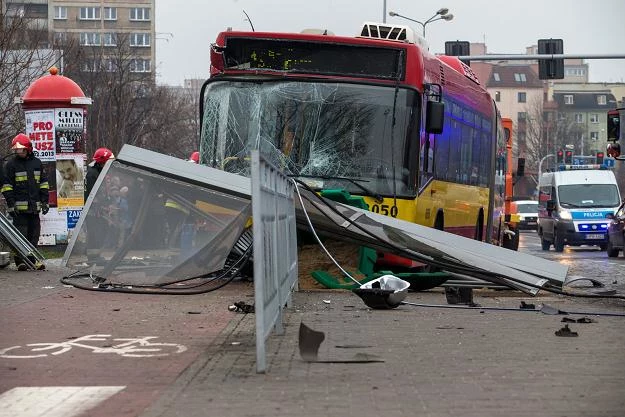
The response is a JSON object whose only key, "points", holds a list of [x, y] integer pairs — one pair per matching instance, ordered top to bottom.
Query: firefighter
{"points": [[100, 156], [195, 157], [25, 190]]}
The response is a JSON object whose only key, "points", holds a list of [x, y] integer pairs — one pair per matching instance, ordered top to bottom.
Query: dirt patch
{"points": [[313, 258]]}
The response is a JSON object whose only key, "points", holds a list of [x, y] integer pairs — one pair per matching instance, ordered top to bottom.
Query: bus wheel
{"points": [[558, 241]]}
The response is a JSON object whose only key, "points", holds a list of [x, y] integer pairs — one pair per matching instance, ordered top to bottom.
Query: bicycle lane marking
{"points": [[61, 317], [53, 401]]}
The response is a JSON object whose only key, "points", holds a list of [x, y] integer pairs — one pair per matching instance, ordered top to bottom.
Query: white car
{"points": [[528, 213]]}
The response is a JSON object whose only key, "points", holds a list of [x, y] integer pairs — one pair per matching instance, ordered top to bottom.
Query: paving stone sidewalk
{"points": [[437, 362]]}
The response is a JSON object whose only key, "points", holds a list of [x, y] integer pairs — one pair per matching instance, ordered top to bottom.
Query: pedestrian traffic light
{"points": [[550, 69], [560, 157], [568, 157], [599, 158]]}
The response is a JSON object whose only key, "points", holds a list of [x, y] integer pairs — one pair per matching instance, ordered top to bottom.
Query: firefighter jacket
{"points": [[25, 185]]}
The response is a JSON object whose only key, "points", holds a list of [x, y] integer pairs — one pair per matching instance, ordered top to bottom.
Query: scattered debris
{"points": [[459, 295], [326, 301], [527, 306], [242, 307], [194, 312], [580, 320], [566, 332], [310, 340], [235, 343]]}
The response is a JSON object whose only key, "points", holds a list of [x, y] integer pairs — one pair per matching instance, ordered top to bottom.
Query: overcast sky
{"points": [[186, 28]]}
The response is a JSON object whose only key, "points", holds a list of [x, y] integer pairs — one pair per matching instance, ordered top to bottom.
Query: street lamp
{"points": [[441, 14]]}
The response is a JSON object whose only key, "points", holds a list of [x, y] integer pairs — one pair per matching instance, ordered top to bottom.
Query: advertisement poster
{"points": [[69, 125], [40, 130], [70, 181], [55, 226]]}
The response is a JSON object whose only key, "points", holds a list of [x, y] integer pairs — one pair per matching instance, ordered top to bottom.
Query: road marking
{"points": [[53, 401]]}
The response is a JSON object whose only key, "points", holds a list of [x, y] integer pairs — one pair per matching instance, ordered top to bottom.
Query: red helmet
{"points": [[21, 141], [101, 155], [195, 157]]}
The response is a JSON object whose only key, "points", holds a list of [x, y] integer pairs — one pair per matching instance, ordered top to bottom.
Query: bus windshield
{"points": [[332, 135], [588, 195]]}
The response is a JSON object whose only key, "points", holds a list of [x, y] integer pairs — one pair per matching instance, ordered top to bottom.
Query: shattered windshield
{"points": [[332, 135], [588, 195]]}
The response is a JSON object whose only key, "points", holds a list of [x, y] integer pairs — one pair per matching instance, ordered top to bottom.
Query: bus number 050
{"points": [[385, 209]]}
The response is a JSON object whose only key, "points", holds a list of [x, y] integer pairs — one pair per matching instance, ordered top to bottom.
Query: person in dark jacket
{"points": [[100, 156], [25, 189]]}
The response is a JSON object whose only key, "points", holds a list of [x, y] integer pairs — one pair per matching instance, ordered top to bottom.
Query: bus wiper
{"points": [[356, 182]]}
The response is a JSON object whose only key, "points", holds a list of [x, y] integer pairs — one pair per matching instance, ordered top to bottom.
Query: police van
{"points": [[573, 205]]}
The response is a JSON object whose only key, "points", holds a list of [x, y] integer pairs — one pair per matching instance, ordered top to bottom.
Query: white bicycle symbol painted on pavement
{"points": [[138, 347]]}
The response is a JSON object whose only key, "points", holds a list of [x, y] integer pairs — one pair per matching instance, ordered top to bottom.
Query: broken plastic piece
{"points": [[566, 332]]}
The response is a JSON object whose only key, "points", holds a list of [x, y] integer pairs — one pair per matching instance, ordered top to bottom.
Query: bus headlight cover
{"points": [[565, 215]]}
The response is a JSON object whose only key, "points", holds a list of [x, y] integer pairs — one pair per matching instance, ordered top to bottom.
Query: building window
{"points": [[60, 12], [89, 13], [110, 13], [140, 13], [60, 38], [90, 39], [109, 39], [139, 39], [90, 65], [110, 65], [140, 65], [496, 76], [520, 78], [497, 96], [522, 97], [568, 99], [602, 100], [522, 116], [579, 118], [593, 118], [594, 136]]}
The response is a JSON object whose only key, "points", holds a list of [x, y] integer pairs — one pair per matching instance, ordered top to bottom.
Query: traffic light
{"points": [[458, 48], [550, 69], [560, 157], [568, 157], [599, 158]]}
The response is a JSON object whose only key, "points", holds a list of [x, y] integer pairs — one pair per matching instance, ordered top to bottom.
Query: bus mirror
{"points": [[434, 117], [520, 168], [551, 205]]}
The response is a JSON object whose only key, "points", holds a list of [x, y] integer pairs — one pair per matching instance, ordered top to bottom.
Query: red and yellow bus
{"points": [[416, 135]]}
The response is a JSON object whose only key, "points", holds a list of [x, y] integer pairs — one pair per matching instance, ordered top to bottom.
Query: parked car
{"points": [[528, 213], [616, 229]]}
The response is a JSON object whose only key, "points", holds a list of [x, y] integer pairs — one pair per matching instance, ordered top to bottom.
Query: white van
{"points": [[573, 205]]}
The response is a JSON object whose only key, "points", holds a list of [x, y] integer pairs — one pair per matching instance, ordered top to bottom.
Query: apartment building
{"points": [[97, 24]]}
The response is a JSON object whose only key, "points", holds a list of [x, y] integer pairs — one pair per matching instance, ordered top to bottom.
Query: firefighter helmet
{"points": [[21, 141], [101, 155], [195, 157]]}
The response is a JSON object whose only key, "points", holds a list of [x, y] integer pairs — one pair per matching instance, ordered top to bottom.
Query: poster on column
{"points": [[40, 130], [69, 130], [70, 181], [53, 227]]}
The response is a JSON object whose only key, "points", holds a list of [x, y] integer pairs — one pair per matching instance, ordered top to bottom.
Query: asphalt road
{"points": [[583, 261]]}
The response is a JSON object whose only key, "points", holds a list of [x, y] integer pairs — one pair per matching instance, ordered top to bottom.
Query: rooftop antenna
{"points": [[249, 20]]}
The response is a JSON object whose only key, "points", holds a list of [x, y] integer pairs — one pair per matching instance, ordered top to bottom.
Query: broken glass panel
{"points": [[324, 133], [144, 227]]}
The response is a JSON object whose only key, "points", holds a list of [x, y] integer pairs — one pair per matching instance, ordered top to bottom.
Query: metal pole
{"points": [[384, 11], [520, 57], [540, 165]]}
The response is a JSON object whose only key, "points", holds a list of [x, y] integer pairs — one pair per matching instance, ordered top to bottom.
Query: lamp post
{"points": [[441, 14]]}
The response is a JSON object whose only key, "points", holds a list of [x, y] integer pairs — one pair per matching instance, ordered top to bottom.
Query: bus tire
{"points": [[558, 241]]}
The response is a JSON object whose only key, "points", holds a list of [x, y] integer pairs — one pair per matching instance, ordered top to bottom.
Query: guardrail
{"points": [[275, 250]]}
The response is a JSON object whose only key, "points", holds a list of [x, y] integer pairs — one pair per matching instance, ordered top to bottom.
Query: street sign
{"points": [[609, 162]]}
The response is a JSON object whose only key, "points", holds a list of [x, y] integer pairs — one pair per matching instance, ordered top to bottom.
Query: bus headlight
{"points": [[565, 215]]}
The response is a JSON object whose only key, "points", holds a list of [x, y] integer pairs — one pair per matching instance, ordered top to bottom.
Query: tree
{"points": [[24, 57]]}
